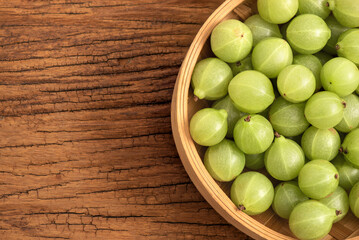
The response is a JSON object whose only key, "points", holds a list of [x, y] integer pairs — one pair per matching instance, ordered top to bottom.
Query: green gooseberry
{"points": [[316, 7], [277, 11], [345, 11], [261, 29], [336, 29], [308, 33], [231, 40], [348, 45], [271, 55], [323, 57], [312, 63], [242, 65], [340, 75], [210, 79], [296, 83], [251, 91], [324, 110], [233, 113], [351, 114], [288, 118], [208, 126], [253, 134], [320, 143], [350, 147], [284, 159], [224, 161], [255, 161], [348, 174], [318, 178], [252, 193], [286, 196], [354, 200], [339, 201], [311, 220]]}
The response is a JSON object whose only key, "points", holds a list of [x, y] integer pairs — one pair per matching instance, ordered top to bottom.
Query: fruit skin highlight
{"points": [[231, 40], [210, 79], [324, 110], [208, 126], [253, 134], [350, 147], [224, 161], [318, 178], [252, 193], [311, 220]]}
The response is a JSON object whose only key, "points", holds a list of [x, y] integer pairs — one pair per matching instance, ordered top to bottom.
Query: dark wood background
{"points": [[86, 150]]}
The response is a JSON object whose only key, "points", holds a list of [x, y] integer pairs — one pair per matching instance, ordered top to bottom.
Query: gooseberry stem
{"points": [[344, 104], [248, 118], [277, 135], [342, 150], [241, 207], [338, 212]]}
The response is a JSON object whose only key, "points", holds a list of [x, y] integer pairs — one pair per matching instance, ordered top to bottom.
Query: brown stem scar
{"points": [[248, 118], [241, 207]]}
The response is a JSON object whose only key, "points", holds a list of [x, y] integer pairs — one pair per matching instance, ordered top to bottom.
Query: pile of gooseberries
{"points": [[285, 86]]}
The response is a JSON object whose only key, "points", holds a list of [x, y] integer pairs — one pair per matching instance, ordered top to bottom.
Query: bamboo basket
{"points": [[266, 225]]}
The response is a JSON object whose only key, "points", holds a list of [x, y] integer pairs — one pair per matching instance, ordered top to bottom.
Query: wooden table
{"points": [[86, 150]]}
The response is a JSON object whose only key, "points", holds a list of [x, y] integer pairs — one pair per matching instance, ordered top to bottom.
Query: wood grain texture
{"points": [[86, 150]]}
